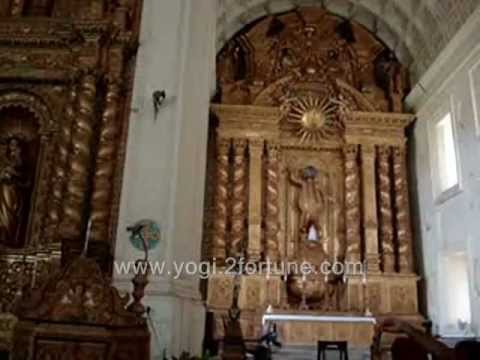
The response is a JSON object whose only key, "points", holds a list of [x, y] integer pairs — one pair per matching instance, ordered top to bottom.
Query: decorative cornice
{"points": [[35, 32], [39, 33], [380, 119], [247, 121], [376, 128]]}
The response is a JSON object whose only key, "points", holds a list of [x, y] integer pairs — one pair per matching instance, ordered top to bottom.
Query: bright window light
{"points": [[446, 156], [456, 313]]}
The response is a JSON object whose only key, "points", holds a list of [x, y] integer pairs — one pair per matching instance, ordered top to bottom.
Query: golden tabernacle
{"points": [[307, 162]]}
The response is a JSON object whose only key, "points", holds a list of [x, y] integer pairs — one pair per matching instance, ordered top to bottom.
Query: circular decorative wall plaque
{"points": [[145, 234]]}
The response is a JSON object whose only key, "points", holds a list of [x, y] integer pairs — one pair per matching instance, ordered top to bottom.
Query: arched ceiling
{"points": [[416, 30]]}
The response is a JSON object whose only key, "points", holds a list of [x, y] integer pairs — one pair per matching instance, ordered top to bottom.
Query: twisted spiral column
{"points": [[80, 159], [105, 163], [61, 165], [239, 198], [352, 203], [385, 205], [402, 211], [272, 225], [218, 248]]}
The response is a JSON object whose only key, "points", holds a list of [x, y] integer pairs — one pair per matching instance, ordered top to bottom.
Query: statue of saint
{"points": [[10, 193], [310, 202]]}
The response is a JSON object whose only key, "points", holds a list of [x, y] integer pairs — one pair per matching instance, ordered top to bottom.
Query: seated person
{"points": [[464, 350]]}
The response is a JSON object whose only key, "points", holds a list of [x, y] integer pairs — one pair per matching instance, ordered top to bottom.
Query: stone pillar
{"points": [[79, 164], [239, 199], [352, 204], [385, 204], [402, 211], [370, 221], [272, 225], [218, 246], [254, 248]]}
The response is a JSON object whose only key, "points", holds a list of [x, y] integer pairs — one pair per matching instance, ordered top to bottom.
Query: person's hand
{"points": [[392, 325]]}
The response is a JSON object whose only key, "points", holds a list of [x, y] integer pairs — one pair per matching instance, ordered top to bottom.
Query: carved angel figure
{"points": [[10, 193], [310, 202]]}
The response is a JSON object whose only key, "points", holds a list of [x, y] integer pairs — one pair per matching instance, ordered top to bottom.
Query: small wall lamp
{"points": [[158, 99]]}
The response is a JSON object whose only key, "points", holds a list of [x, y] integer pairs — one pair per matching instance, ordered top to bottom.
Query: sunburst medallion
{"points": [[314, 116]]}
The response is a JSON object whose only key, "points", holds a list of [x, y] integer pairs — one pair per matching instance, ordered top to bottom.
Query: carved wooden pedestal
{"points": [[78, 315], [47, 341]]}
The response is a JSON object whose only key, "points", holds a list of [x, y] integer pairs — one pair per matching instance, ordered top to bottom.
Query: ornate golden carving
{"points": [[16, 7], [43, 44], [316, 96], [314, 116], [25, 120], [79, 162], [105, 163], [61, 164], [239, 199], [310, 203], [352, 204], [385, 208], [402, 211], [272, 225], [218, 249], [79, 293], [220, 294], [73, 306], [8, 323]]}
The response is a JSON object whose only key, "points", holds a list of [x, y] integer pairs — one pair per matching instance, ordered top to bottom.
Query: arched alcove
{"points": [[307, 163]]}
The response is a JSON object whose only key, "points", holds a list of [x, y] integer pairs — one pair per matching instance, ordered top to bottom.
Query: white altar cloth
{"points": [[319, 318]]}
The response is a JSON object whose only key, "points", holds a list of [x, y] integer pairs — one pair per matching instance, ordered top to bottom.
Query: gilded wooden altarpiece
{"points": [[65, 79], [308, 163]]}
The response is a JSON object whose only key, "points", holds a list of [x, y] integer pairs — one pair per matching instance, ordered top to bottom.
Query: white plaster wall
{"points": [[165, 163], [454, 225]]}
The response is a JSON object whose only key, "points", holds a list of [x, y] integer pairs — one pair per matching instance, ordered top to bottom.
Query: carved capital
{"points": [[256, 145], [223, 146], [239, 146], [273, 151], [351, 151]]}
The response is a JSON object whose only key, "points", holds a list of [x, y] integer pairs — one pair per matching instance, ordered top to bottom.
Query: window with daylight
{"points": [[446, 154], [456, 308]]}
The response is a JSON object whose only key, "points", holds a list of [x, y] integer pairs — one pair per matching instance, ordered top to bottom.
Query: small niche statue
{"points": [[10, 191], [310, 203]]}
